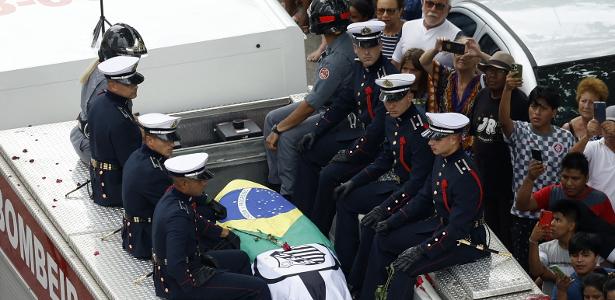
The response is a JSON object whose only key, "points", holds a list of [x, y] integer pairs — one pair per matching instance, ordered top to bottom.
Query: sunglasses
{"points": [[439, 6], [389, 11]]}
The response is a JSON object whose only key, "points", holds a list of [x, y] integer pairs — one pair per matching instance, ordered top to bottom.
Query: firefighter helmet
{"points": [[328, 16], [121, 39]]}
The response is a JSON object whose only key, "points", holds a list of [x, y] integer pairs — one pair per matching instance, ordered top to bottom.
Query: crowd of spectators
{"points": [[527, 165]]}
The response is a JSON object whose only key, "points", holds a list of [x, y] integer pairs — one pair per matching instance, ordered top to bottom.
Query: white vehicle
{"points": [[557, 42], [201, 54], [214, 61]]}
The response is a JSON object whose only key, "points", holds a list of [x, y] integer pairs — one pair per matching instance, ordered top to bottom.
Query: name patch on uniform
{"points": [[323, 73]]}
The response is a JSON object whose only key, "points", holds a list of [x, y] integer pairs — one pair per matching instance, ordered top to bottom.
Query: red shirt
{"points": [[597, 201]]}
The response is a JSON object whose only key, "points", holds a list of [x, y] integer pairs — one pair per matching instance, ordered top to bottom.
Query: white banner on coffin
{"points": [[308, 271]]}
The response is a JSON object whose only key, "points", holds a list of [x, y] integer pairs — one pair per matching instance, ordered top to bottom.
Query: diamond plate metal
{"points": [[49, 168], [52, 233], [113, 268], [493, 277], [447, 286]]}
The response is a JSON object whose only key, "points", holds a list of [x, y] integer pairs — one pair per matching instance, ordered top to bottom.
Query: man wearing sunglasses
{"points": [[422, 33]]}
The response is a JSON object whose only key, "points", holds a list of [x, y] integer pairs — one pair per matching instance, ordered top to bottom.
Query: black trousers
{"points": [[520, 233]]}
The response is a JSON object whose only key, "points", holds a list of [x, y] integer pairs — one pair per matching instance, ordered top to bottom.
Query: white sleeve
{"points": [[398, 53], [590, 150], [543, 255]]}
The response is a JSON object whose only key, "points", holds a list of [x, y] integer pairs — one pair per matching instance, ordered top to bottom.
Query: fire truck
{"points": [[208, 62]]}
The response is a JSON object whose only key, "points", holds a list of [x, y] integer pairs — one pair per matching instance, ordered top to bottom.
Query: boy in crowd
{"points": [[550, 141], [572, 185], [583, 250], [553, 252]]}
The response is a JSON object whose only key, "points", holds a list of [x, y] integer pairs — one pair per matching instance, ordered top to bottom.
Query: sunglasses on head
{"points": [[439, 6]]}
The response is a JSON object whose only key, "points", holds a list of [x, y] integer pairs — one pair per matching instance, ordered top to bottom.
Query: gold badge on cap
{"points": [[366, 30], [387, 83], [175, 123]]}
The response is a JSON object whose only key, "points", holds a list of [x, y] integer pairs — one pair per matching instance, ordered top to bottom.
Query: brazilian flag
{"points": [[264, 220]]}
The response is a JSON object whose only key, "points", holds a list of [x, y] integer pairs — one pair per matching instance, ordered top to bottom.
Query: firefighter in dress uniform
{"points": [[119, 39], [356, 114], [114, 133], [401, 167], [145, 181], [422, 235], [182, 270]]}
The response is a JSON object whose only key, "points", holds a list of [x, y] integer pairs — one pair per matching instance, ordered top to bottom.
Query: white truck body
{"points": [[202, 53]]}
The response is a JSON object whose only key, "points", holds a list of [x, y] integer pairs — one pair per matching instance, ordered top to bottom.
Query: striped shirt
{"points": [[389, 42]]}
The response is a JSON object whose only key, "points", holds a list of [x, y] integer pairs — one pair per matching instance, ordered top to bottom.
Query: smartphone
{"points": [[454, 47], [516, 70], [600, 111], [536, 155], [546, 216], [557, 271]]}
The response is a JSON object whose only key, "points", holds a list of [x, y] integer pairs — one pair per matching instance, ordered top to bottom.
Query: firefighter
{"points": [[119, 39], [359, 114], [285, 126], [114, 133], [401, 168], [145, 181], [422, 235], [182, 270]]}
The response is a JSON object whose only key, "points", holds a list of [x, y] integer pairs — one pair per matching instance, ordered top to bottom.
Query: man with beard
{"points": [[422, 33]]}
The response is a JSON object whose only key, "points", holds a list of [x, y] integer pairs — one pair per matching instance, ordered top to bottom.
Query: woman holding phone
{"points": [[454, 89], [589, 90]]}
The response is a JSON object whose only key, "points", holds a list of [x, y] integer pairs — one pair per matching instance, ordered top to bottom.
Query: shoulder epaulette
{"points": [[382, 72], [417, 122], [156, 163], [462, 166], [183, 206]]}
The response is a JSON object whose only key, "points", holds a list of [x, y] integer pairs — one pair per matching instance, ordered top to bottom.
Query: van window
{"points": [[465, 23], [487, 44], [564, 77]]}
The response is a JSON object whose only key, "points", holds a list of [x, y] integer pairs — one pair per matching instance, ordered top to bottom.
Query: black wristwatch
{"points": [[275, 130]]}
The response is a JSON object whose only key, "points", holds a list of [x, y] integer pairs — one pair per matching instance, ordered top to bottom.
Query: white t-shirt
{"points": [[415, 35], [601, 168], [552, 254]]}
